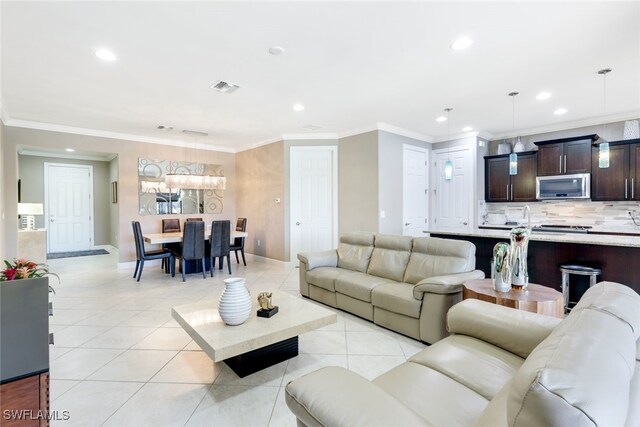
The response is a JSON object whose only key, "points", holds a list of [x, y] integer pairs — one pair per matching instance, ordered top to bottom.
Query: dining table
{"points": [[176, 237]]}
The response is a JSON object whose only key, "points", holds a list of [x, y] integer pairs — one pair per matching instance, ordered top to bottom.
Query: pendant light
{"points": [[603, 147], [513, 157], [448, 165], [191, 181]]}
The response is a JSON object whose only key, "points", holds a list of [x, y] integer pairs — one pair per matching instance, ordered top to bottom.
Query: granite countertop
{"points": [[630, 240]]}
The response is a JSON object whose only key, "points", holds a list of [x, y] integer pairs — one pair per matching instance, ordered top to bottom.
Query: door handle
{"points": [[560, 163], [565, 163], [632, 189], [626, 190], [507, 191], [512, 192], [51, 220], [298, 223], [465, 223], [406, 224]]}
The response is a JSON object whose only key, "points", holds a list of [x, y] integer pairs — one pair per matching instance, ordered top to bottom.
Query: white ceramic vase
{"points": [[234, 305]]}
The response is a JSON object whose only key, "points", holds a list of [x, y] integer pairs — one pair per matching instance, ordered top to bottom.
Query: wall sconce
{"points": [[513, 164]]}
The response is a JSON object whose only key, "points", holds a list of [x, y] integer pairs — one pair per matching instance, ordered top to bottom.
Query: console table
{"points": [[535, 298]]}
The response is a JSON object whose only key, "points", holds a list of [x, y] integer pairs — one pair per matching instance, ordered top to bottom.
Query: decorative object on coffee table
{"points": [[501, 272], [234, 305], [266, 307]]}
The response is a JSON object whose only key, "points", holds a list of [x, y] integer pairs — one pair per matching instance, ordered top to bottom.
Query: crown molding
{"points": [[594, 121], [357, 131], [404, 132], [112, 135], [461, 135], [309, 136], [258, 144], [59, 155]]}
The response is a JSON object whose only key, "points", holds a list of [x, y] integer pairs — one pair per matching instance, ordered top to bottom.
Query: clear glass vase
{"points": [[519, 246]]}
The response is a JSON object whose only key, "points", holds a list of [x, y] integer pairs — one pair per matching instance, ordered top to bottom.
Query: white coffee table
{"points": [[259, 342]]}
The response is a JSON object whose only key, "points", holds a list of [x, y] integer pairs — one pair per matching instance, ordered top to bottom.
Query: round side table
{"points": [[535, 298]]}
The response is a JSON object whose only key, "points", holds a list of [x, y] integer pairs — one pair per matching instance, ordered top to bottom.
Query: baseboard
{"points": [[108, 248], [270, 261]]}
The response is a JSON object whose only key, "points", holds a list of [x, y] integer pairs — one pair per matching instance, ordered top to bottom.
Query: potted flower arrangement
{"points": [[24, 318]]}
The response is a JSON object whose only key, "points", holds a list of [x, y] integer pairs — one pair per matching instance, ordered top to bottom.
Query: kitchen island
{"points": [[618, 255]]}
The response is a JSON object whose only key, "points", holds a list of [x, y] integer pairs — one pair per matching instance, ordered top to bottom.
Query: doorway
{"points": [[414, 190], [453, 198], [314, 199], [68, 201]]}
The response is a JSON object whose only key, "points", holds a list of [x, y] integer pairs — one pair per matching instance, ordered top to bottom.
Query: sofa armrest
{"points": [[319, 259], [449, 284], [516, 331], [334, 396]]}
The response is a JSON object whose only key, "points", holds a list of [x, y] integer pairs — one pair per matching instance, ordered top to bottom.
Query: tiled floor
{"points": [[120, 359]]}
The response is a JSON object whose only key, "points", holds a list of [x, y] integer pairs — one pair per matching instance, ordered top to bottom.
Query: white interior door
{"points": [[414, 190], [314, 199], [452, 200], [69, 207]]}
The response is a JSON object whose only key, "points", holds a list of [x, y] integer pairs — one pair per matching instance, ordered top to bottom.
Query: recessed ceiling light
{"points": [[461, 43], [276, 50], [106, 55], [543, 95], [298, 107], [560, 111], [441, 119], [467, 129], [71, 150]]}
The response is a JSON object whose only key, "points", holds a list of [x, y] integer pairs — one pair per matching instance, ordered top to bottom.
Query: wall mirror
{"points": [[157, 199]]}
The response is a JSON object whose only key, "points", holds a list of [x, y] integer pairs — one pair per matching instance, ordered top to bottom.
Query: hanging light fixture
{"points": [[603, 147], [513, 157], [448, 165], [191, 181]]}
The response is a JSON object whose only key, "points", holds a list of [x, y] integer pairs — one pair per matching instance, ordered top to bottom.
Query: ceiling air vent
{"points": [[224, 87]]}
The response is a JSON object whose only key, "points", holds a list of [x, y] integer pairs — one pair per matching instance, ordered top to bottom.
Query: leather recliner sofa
{"points": [[401, 283], [500, 367]]}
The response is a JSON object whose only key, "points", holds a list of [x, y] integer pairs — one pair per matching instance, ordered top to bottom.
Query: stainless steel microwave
{"points": [[576, 186]]}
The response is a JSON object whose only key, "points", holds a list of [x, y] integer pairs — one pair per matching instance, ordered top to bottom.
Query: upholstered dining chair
{"points": [[194, 219], [171, 225], [238, 242], [219, 244], [192, 247], [143, 255]]}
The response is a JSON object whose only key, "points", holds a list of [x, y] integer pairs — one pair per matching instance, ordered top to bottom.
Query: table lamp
{"points": [[27, 211]]}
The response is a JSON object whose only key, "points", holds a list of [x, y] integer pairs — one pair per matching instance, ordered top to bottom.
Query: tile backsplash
{"points": [[602, 216]]}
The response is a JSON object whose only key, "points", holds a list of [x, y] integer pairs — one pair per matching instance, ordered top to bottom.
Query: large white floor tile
{"points": [[69, 316], [108, 318], [148, 318], [74, 336], [119, 337], [165, 339], [323, 342], [373, 343], [56, 351], [79, 363], [305, 363], [134, 365], [189, 367], [271, 376], [58, 387], [92, 402], [158, 405], [227, 405], [282, 415]]}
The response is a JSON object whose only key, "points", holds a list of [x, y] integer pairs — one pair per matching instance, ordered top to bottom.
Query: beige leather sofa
{"points": [[401, 283], [501, 367]]}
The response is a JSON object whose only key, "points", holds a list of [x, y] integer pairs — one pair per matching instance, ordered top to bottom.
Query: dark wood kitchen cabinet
{"points": [[565, 156], [621, 180], [501, 187]]}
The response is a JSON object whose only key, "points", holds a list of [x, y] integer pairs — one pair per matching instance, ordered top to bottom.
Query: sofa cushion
{"points": [[354, 251], [390, 256], [431, 256], [324, 277], [358, 285], [397, 298], [476, 364], [571, 376], [440, 400]]}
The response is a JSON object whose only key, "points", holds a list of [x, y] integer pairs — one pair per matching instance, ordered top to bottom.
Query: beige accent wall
{"points": [[128, 153], [260, 174], [31, 175], [358, 183], [2, 212]]}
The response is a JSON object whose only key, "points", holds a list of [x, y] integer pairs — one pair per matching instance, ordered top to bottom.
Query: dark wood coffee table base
{"points": [[261, 358]]}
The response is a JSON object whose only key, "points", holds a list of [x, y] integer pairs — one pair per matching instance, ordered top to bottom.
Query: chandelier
{"points": [[192, 181]]}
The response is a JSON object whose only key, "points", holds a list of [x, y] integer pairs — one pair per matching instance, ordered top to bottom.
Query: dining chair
{"points": [[193, 219], [171, 225], [238, 242], [219, 244], [192, 247], [143, 255]]}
